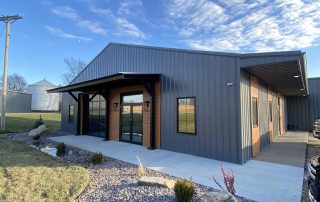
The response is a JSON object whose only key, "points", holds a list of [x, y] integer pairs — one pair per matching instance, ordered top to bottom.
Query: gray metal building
{"points": [[17, 102], [222, 106], [302, 111]]}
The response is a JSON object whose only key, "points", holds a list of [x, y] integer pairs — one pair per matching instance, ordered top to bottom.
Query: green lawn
{"points": [[22, 122], [30, 175]]}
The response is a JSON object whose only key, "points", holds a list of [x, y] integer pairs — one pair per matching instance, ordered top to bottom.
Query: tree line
{"points": [[18, 83]]}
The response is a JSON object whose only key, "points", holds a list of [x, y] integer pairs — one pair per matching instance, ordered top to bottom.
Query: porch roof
{"points": [[286, 72], [119, 79]]}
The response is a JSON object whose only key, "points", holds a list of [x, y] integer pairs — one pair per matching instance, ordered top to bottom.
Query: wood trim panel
{"points": [[254, 87], [281, 129]]}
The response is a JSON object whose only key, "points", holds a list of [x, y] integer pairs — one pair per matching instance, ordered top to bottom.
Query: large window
{"points": [[270, 111], [71, 113], [186, 115], [255, 115]]}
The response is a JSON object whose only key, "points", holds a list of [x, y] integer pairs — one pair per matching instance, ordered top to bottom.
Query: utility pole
{"points": [[8, 20]]}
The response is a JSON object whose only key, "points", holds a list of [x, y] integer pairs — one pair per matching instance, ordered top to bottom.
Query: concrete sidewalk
{"points": [[288, 149], [257, 180]]}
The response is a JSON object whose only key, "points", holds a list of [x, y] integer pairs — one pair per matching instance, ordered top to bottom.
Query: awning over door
{"points": [[115, 80]]}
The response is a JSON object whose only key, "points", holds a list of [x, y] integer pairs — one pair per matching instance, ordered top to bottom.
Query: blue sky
{"points": [[53, 30]]}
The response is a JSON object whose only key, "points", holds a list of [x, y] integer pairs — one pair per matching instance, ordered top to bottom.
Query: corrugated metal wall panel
{"points": [[204, 76], [17, 102], [302, 111], [275, 114], [263, 115], [245, 116], [65, 125]]}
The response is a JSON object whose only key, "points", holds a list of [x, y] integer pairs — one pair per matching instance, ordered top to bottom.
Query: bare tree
{"points": [[75, 66], [17, 83]]}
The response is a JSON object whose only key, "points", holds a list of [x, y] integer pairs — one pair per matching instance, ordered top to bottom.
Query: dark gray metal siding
{"points": [[204, 76], [245, 94], [18, 102], [302, 111], [263, 115], [65, 125]]}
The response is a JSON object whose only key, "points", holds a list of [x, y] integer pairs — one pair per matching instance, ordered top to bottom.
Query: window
{"points": [[270, 111], [71, 113], [186, 113], [255, 114]]}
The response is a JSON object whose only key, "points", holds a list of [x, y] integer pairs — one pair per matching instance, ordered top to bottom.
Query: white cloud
{"points": [[131, 8], [66, 12], [72, 14], [237, 25], [123, 26], [129, 29], [60, 33]]}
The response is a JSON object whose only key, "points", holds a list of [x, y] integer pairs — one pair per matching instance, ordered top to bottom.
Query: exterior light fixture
{"points": [[296, 76], [229, 84], [301, 89], [303, 95], [115, 106], [146, 106]]}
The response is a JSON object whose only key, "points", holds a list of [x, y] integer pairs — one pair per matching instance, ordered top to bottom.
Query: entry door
{"points": [[97, 116], [131, 121]]}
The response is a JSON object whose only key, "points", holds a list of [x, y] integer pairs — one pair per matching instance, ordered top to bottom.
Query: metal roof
{"points": [[275, 68], [118, 80], [43, 82]]}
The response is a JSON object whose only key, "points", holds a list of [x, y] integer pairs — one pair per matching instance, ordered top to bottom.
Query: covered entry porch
{"points": [[120, 107]]}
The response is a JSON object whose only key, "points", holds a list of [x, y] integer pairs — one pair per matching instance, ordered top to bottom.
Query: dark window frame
{"points": [[270, 112], [195, 116], [71, 117], [255, 125]]}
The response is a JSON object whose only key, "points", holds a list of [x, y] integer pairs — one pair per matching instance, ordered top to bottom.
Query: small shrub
{"points": [[38, 123], [36, 137], [61, 149], [96, 158], [141, 171], [228, 181], [184, 190]]}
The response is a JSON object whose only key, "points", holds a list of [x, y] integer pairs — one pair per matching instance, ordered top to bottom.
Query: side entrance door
{"points": [[131, 119]]}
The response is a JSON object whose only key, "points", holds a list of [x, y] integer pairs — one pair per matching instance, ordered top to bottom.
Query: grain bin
{"points": [[41, 100]]}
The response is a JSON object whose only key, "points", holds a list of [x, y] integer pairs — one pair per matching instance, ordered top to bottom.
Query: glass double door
{"points": [[97, 116], [131, 118]]}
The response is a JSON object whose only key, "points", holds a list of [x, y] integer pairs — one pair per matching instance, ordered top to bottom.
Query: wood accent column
{"points": [[280, 106], [271, 120], [255, 130]]}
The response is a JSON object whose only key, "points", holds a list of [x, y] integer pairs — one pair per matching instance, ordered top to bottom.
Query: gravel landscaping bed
{"points": [[313, 149], [115, 180]]}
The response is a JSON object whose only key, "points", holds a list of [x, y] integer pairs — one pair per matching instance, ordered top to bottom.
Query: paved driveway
{"points": [[257, 180]]}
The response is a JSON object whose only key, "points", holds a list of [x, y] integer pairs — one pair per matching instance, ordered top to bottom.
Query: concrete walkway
{"points": [[288, 149], [257, 180]]}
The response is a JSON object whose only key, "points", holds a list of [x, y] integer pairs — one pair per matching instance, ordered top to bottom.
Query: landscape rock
{"points": [[38, 131], [49, 150], [155, 181], [220, 196]]}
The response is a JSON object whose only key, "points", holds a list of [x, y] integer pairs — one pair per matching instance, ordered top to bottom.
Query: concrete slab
{"points": [[288, 149], [257, 180]]}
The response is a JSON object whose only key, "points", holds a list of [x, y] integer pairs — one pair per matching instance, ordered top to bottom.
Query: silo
{"points": [[41, 100]]}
